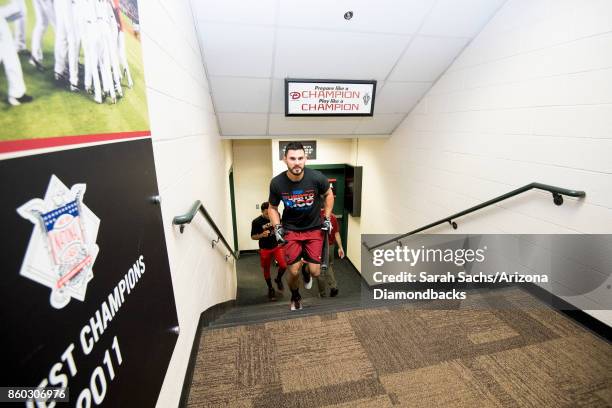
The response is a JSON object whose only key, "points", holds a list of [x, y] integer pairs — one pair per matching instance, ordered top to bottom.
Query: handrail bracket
{"points": [[182, 220]]}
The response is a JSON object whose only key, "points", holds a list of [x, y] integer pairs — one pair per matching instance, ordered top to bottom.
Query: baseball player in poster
{"points": [[45, 15], [96, 23], [19, 26], [111, 37], [90, 39], [66, 47], [105, 50], [9, 58], [125, 68]]}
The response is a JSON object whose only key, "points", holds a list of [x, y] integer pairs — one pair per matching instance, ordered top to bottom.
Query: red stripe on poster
{"points": [[27, 144]]}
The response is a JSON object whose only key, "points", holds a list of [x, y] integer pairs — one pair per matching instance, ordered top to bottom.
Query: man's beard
{"points": [[296, 170]]}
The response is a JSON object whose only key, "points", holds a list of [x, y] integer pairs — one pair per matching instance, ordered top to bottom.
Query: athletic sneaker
{"points": [[36, 64], [60, 77], [25, 98], [307, 278], [279, 283], [333, 292], [271, 294], [296, 302], [296, 305]]}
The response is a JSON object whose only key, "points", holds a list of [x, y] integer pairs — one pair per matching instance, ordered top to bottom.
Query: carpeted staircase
{"points": [[252, 305], [501, 348]]}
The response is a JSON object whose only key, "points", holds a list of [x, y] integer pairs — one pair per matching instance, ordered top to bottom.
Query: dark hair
{"points": [[294, 146], [264, 206]]}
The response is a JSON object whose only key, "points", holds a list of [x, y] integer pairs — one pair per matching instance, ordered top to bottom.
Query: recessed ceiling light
{"points": [[348, 15]]}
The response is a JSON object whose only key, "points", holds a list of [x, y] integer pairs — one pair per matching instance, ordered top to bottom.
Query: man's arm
{"points": [[273, 197], [328, 202], [274, 214], [260, 231], [279, 232], [255, 234], [257, 237], [339, 244]]}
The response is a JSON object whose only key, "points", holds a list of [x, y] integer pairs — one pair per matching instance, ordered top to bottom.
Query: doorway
{"points": [[335, 173], [233, 204]]}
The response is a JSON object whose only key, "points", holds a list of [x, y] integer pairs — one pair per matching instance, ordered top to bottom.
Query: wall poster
{"points": [[78, 80], [86, 296], [86, 299]]}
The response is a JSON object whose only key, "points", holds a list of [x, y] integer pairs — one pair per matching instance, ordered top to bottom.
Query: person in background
{"points": [[45, 15], [19, 27], [8, 55], [262, 231], [328, 277]]}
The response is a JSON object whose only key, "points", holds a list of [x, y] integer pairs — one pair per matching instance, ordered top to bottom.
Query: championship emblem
{"points": [[366, 98], [62, 248]]}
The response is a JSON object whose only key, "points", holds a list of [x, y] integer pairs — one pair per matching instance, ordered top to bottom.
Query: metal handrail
{"points": [[557, 193], [182, 220]]}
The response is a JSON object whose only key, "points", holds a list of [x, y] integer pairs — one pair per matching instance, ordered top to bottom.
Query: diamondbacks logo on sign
{"points": [[62, 248]]}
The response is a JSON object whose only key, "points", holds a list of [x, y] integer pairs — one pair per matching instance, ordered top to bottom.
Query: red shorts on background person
{"points": [[261, 230]]}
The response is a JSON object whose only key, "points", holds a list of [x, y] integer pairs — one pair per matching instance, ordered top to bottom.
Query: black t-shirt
{"points": [[302, 199], [257, 227]]}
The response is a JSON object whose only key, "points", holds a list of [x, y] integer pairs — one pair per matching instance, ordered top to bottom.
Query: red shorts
{"points": [[306, 244], [265, 257]]}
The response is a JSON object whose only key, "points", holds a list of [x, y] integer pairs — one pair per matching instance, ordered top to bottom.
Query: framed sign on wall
{"points": [[329, 97], [310, 147]]}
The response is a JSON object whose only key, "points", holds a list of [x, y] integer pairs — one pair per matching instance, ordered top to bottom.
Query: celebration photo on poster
{"points": [[70, 68]]}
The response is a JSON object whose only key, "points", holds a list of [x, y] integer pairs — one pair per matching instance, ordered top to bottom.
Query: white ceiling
{"points": [[250, 47]]}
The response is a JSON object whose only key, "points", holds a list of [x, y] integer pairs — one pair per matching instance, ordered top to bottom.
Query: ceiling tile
{"points": [[236, 11], [382, 16], [459, 18], [248, 44], [234, 50], [336, 55], [427, 58], [233, 94], [278, 96], [398, 97], [383, 123], [242, 124], [281, 125]]}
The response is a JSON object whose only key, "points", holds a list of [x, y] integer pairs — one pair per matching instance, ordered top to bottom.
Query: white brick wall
{"points": [[530, 99], [192, 163]]}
